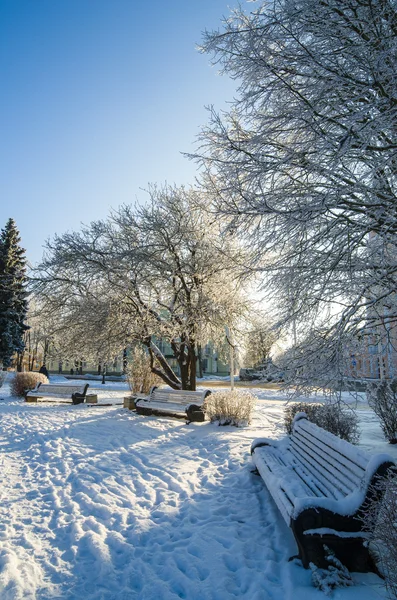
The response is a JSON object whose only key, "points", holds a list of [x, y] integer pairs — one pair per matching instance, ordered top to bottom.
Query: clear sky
{"points": [[98, 98]]}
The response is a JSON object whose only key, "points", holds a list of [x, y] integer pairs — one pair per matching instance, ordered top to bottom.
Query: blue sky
{"points": [[98, 98]]}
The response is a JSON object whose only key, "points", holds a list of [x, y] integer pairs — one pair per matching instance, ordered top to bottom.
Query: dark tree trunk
{"points": [[200, 360], [99, 368]]}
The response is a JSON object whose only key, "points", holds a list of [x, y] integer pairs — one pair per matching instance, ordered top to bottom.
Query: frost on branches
{"points": [[304, 163], [161, 272]]}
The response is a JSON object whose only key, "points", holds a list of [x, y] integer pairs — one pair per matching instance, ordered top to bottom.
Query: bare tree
{"points": [[304, 163], [157, 273]]}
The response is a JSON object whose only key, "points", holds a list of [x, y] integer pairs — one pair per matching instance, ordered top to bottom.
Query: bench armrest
{"points": [[260, 442]]}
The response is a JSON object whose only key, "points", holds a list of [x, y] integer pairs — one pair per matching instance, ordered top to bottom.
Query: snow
{"points": [[103, 504]]}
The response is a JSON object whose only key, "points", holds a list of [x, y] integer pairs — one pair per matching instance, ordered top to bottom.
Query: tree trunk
{"points": [[46, 349], [200, 360], [20, 361], [125, 361], [187, 364], [193, 368], [165, 372]]}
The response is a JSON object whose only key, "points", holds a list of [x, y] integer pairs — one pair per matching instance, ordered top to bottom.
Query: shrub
{"points": [[139, 374], [2, 377], [23, 382], [382, 398], [230, 408], [339, 420], [381, 521]]}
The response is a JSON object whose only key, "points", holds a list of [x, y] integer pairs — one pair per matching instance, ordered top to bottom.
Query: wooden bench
{"points": [[75, 393], [177, 403], [321, 484]]}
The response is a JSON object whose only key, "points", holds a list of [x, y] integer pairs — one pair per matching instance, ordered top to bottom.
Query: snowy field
{"points": [[98, 503]]}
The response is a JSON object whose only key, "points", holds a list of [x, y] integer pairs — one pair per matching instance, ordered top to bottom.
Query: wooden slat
{"points": [[356, 456], [349, 470], [334, 487]]}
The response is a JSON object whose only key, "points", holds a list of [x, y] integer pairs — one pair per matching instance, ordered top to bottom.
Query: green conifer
{"points": [[13, 294]]}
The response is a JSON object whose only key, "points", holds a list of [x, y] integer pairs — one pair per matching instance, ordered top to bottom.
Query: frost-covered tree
{"points": [[304, 162], [157, 273], [13, 294], [258, 342]]}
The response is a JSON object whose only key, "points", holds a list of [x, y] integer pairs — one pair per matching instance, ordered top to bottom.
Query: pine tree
{"points": [[13, 294]]}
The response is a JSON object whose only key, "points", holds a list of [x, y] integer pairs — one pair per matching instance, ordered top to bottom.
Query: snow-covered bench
{"points": [[75, 393], [164, 401], [321, 484]]}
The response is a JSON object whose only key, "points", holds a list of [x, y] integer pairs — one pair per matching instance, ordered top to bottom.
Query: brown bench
{"points": [[74, 393], [177, 403], [321, 485]]}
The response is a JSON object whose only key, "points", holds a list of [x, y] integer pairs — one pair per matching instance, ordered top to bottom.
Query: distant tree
{"points": [[162, 272], [13, 294], [259, 339]]}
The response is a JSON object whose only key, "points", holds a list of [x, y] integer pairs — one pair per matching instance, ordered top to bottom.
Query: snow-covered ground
{"points": [[98, 503]]}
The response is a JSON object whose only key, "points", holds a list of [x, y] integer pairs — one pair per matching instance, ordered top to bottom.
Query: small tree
{"points": [[13, 294], [139, 373], [382, 398]]}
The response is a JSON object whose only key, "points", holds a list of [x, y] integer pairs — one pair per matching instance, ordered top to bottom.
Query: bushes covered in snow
{"points": [[139, 374], [2, 377], [23, 382], [382, 398], [230, 408], [335, 418], [381, 521], [335, 576]]}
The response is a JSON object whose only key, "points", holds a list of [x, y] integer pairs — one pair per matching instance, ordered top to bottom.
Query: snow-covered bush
{"points": [[139, 374], [2, 377], [23, 382], [382, 398], [230, 408], [292, 408], [335, 418], [381, 521], [335, 576]]}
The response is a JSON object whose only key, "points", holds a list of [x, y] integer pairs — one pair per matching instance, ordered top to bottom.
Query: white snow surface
{"points": [[98, 503]]}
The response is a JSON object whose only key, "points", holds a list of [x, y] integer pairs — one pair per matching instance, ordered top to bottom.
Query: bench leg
{"points": [[78, 399], [144, 410], [195, 414], [351, 551]]}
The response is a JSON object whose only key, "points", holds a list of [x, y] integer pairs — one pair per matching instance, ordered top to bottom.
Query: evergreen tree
{"points": [[13, 294]]}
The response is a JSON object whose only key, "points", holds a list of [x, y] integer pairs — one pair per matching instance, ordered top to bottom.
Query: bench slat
{"points": [[165, 406], [356, 456], [326, 467], [346, 468], [335, 489], [283, 503]]}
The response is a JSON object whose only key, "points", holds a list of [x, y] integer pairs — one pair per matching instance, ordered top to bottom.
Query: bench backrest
{"points": [[67, 390], [178, 396], [338, 467]]}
